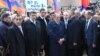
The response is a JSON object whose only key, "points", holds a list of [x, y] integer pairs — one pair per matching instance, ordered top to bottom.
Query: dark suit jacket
{"points": [[47, 18], [56, 32], [90, 33], [3, 34], [44, 34], [73, 34], [98, 35], [33, 36], [16, 41]]}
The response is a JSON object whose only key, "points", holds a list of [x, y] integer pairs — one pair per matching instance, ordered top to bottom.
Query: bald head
{"points": [[57, 17]]}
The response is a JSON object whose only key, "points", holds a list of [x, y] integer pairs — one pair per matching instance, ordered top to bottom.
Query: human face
{"points": [[43, 13], [33, 16], [52, 16], [66, 16], [87, 16], [58, 17], [8, 19], [18, 20]]}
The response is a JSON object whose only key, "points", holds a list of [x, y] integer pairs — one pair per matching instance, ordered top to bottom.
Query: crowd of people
{"points": [[50, 34]]}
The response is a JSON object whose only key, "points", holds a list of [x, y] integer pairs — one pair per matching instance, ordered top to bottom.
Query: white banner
{"points": [[35, 5]]}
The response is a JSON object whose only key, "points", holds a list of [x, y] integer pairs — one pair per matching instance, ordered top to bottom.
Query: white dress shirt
{"points": [[44, 20], [33, 21], [89, 22], [66, 23], [20, 28]]}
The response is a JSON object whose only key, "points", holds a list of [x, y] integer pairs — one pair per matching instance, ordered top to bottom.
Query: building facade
{"points": [[72, 2]]}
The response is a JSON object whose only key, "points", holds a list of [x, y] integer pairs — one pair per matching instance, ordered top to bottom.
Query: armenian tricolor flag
{"points": [[85, 3], [3, 4], [13, 5], [56, 5]]}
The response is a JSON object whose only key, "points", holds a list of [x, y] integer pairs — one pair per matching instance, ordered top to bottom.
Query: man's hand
{"points": [[61, 41], [75, 44], [93, 45]]}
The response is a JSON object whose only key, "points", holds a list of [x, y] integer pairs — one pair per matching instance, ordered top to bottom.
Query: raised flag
{"points": [[85, 3], [3, 4], [8, 4], [13, 5], [17, 6], [57, 6]]}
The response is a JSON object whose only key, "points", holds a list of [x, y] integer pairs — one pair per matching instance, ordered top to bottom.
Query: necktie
{"points": [[45, 21], [66, 23], [86, 25], [20, 28], [86, 29]]}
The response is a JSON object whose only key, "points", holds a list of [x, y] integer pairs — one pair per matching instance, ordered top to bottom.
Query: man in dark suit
{"points": [[52, 15], [65, 19], [97, 19], [4, 25], [32, 31], [56, 32], [90, 33], [73, 35], [98, 37], [16, 38], [45, 38]]}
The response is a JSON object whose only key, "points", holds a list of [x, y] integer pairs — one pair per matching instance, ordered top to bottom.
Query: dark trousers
{"points": [[98, 46], [90, 50], [46, 51], [80, 51], [69, 52], [74, 52], [98, 52]]}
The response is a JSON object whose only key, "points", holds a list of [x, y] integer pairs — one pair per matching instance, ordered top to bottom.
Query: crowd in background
{"points": [[50, 34]]}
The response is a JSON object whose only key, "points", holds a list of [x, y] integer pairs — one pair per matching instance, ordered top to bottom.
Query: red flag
{"points": [[3, 3], [85, 3], [13, 5], [17, 6], [57, 6], [18, 9]]}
